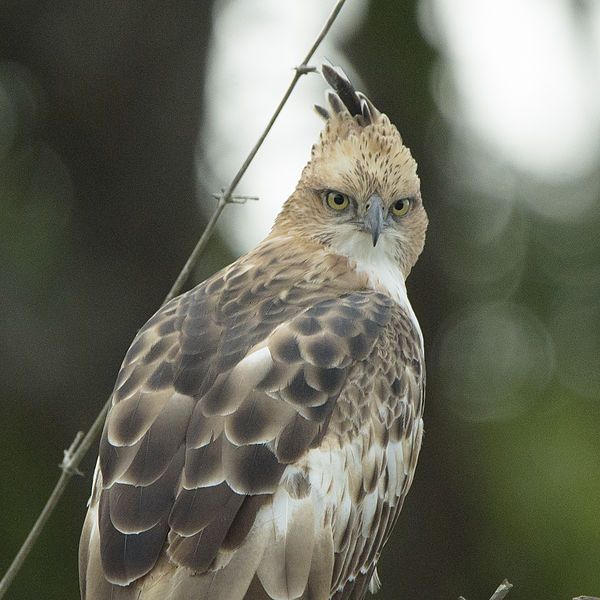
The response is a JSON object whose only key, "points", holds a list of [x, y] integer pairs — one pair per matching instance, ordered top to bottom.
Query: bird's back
{"points": [[261, 437]]}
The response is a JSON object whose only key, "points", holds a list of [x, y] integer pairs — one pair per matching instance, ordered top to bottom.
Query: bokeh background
{"points": [[119, 119]]}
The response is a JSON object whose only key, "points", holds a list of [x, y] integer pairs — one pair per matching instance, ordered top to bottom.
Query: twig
{"points": [[78, 449], [67, 462], [500, 592]]}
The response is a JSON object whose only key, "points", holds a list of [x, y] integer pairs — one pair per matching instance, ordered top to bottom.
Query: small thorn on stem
{"points": [[304, 69], [234, 199], [67, 463]]}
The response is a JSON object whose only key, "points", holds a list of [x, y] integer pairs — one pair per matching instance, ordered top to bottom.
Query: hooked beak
{"points": [[373, 221]]}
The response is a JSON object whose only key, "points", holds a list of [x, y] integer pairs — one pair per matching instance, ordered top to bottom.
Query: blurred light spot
{"points": [[255, 46], [522, 78], [18, 104], [8, 120], [36, 189], [36, 195], [35, 202], [565, 202], [485, 232], [568, 254], [474, 258], [576, 329], [494, 362]]}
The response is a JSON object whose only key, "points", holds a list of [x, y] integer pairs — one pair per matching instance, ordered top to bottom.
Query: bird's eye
{"points": [[337, 200], [400, 207]]}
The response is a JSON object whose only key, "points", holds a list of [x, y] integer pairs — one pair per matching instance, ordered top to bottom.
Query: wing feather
{"points": [[219, 393], [387, 452], [194, 509], [285, 567]]}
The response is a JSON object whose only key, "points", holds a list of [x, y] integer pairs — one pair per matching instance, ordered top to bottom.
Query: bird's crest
{"points": [[344, 100], [352, 116], [359, 149]]}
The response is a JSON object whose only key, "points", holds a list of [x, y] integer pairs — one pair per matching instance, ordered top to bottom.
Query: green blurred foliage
{"points": [[99, 115]]}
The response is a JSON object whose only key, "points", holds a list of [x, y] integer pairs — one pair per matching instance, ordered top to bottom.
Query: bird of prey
{"points": [[265, 425]]}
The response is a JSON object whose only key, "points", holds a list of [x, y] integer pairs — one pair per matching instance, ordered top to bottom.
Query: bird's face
{"points": [[360, 195]]}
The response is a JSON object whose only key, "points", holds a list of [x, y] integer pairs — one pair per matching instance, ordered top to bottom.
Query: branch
{"points": [[81, 444], [505, 587], [501, 591]]}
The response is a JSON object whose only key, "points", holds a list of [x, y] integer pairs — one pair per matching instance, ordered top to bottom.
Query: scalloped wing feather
{"points": [[224, 391]]}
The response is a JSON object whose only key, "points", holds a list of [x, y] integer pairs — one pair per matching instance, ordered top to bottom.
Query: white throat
{"points": [[377, 263]]}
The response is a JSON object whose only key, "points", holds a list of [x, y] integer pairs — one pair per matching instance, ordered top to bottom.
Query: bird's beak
{"points": [[373, 221]]}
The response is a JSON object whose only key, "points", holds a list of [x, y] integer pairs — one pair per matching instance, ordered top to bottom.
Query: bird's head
{"points": [[360, 193]]}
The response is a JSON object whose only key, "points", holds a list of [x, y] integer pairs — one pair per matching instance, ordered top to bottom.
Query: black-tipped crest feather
{"points": [[344, 89], [347, 98], [336, 103], [322, 112]]}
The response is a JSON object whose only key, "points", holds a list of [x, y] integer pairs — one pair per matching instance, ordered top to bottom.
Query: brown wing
{"points": [[221, 389], [388, 448]]}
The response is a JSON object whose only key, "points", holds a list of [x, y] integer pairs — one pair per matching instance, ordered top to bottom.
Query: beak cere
{"points": [[373, 221]]}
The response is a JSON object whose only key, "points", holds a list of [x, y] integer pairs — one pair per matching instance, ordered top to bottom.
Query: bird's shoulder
{"points": [[221, 390]]}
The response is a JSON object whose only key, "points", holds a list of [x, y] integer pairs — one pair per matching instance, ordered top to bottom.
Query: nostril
{"points": [[368, 205]]}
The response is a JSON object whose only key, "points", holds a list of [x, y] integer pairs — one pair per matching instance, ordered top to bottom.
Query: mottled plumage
{"points": [[265, 425]]}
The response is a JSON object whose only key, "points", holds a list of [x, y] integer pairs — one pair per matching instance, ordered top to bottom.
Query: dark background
{"points": [[100, 110]]}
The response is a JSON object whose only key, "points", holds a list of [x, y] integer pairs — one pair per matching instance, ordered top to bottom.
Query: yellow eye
{"points": [[337, 200], [401, 207]]}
